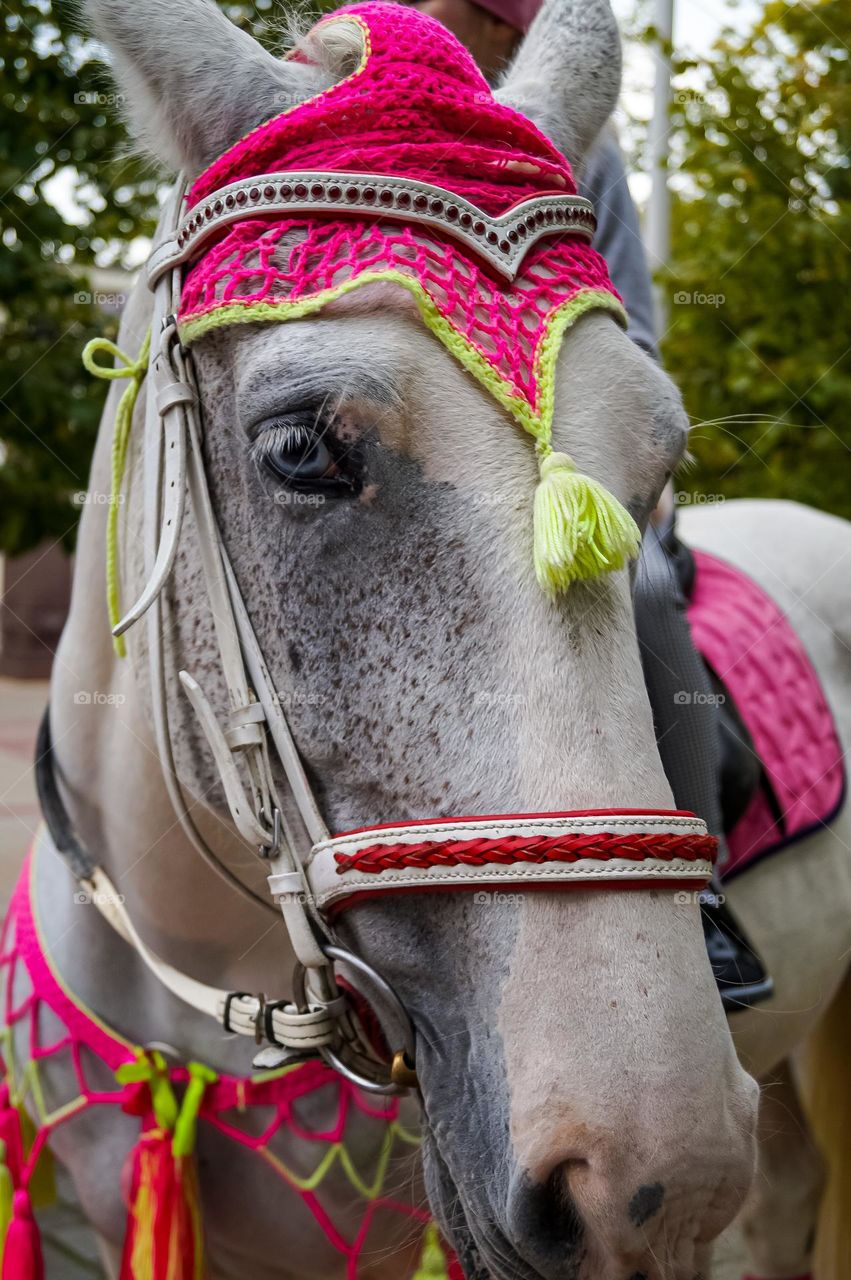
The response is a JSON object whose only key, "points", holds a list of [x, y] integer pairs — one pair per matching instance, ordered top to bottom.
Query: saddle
{"points": [[782, 771]]}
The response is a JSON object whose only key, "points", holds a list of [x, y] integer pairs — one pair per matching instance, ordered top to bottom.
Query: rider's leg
{"points": [[687, 732]]}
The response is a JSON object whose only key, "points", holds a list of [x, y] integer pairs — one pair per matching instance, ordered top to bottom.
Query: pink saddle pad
{"points": [[751, 646]]}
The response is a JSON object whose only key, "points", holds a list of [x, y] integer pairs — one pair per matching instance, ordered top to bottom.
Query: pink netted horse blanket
{"points": [[416, 107], [751, 646], [43, 1022]]}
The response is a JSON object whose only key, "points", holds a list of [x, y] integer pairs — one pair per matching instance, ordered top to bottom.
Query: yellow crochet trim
{"points": [[135, 370], [538, 424], [580, 529], [337, 1154]]}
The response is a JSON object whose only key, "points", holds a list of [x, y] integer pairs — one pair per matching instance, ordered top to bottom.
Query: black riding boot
{"points": [[740, 974]]}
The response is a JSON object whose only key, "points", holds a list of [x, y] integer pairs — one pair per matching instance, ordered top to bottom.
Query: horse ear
{"points": [[567, 72], [191, 81]]}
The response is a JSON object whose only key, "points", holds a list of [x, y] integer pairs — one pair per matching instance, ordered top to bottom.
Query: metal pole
{"points": [[659, 207]]}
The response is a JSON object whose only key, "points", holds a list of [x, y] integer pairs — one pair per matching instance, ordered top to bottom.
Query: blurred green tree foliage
{"points": [[71, 194], [759, 286]]}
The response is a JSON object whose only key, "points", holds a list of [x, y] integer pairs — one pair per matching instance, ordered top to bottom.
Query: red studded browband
{"points": [[502, 241]]}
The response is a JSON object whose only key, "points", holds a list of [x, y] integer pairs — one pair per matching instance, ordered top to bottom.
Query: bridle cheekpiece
{"points": [[502, 234]]}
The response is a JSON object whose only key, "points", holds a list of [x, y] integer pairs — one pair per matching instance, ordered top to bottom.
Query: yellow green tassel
{"points": [[581, 530], [187, 1121], [7, 1191], [164, 1238], [432, 1259]]}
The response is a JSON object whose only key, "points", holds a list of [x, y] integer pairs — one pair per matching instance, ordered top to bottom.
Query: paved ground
{"points": [[21, 705], [69, 1253]]}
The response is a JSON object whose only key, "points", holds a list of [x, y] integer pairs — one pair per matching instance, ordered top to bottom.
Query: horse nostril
{"points": [[544, 1212]]}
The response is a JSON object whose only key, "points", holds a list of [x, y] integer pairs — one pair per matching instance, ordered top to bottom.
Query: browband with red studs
{"points": [[502, 240]]}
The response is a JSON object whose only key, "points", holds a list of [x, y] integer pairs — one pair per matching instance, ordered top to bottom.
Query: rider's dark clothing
{"points": [[618, 236], [681, 695], [687, 733]]}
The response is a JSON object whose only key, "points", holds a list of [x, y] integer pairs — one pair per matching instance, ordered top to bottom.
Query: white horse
{"points": [[797, 905], [585, 1114]]}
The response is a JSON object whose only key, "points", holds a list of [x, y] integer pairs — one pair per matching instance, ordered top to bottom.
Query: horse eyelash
{"points": [[290, 435]]}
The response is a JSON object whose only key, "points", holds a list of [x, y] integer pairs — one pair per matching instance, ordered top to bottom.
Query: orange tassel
{"points": [[22, 1258]]}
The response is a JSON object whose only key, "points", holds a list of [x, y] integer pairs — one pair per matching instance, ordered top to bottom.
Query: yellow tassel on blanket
{"points": [[581, 530]]}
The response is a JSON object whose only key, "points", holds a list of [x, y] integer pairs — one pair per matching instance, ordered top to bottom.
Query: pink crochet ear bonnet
{"points": [[416, 107], [409, 171]]}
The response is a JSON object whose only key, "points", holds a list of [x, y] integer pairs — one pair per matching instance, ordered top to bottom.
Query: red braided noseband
{"points": [[602, 847], [543, 850]]}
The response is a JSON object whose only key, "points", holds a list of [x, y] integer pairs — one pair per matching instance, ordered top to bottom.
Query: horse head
{"points": [[584, 1111]]}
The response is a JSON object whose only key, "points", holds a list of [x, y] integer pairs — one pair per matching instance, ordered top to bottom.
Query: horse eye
{"points": [[295, 452]]}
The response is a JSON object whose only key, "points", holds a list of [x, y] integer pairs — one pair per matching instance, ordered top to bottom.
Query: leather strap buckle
{"points": [[229, 999], [269, 1011]]}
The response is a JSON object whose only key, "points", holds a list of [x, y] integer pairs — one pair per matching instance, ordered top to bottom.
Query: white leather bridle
{"points": [[312, 875]]}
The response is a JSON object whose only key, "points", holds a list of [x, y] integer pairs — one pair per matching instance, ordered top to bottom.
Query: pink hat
{"points": [[517, 13], [418, 108], [420, 177]]}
